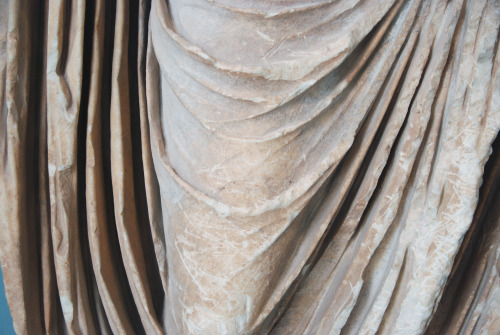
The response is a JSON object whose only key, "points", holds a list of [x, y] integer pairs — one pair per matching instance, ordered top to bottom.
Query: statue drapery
{"points": [[250, 167]]}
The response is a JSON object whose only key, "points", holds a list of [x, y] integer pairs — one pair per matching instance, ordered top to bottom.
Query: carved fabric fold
{"points": [[250, 167]]}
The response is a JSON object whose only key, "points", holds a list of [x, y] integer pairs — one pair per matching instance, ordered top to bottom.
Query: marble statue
{"points": [[250, 167]]}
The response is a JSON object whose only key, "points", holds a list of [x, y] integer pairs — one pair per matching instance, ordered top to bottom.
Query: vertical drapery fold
{"points": [[250, 167], [19, 254]]}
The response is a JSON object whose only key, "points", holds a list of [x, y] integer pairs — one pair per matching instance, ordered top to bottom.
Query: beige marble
{"points": [[250, 167]]}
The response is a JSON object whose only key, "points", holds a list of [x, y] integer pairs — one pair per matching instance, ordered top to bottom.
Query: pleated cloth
{"points": [[250, 167]]}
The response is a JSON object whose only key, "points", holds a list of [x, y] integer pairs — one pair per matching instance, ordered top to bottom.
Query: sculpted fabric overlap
{"points": [[250, 167]]}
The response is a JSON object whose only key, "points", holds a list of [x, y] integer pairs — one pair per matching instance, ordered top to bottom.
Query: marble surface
{"points": [[250, 167]]}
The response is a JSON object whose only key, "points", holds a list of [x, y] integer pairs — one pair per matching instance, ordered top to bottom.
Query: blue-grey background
{"points": [[6, 327]]}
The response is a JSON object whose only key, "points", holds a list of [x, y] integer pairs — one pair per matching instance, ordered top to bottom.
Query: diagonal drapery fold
{"points": [[250, 167]]}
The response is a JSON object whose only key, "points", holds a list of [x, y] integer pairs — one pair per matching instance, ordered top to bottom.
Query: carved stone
{"points": [[250, 167]]}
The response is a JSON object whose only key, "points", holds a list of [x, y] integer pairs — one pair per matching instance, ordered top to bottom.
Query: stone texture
{"points": [[250, 167]]}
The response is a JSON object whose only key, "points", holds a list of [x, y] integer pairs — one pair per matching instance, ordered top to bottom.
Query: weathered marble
{"points": [[250, 167]]}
